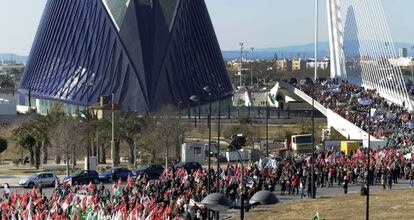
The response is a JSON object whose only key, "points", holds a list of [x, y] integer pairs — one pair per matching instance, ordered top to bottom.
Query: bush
{"points": [[244, 119], [3, 145], [16, 161]]}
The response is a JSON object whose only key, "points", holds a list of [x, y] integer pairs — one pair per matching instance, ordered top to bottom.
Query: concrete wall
{"points": [[351, 131]]}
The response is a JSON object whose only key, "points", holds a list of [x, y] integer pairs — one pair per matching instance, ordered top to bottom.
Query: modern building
{"points": [[403, 52], [147, 53], [298, 64]]}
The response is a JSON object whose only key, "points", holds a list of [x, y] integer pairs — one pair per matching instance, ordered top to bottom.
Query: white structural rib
{"points": [[361, 46]]}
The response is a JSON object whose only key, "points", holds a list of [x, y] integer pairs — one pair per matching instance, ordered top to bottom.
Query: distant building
{"points": [[403, 52], [401, 61], [298, 64], [321, 64], [284, 65], [8, 110]]}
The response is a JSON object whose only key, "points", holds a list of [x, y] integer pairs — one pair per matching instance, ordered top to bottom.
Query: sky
{"points": [[257, 23]]}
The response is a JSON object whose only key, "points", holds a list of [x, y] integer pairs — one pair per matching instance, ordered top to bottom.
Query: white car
{"points": [[39, 179]]}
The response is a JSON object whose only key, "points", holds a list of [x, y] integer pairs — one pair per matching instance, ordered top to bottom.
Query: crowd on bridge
{"points": [[389, 122]]}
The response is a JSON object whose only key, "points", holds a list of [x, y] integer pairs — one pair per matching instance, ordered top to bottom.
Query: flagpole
{"points": [[369, 146]]}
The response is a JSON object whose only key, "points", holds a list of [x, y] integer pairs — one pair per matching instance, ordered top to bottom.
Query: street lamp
{"points": [[241, 62], [251, 67], [208, 90], [195, 99], [367, 103], [179, 109], [87, 115], [267, 126], [113, 131], [218, 137], [236, 144], [264, 197], [218, 202]]}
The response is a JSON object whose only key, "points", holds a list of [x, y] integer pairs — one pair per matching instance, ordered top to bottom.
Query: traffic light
{"points": [[237, 142]]}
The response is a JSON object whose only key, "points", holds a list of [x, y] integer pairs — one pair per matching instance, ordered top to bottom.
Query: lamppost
{"points": [[241, 62], [411, 63], [251, 67], [208, 90], [195, 99], [367, 103], [179, 109], [88, 115], [267, 126], [113, 130], [218, 143], [236, 144], [313, 190], [219, 202]]}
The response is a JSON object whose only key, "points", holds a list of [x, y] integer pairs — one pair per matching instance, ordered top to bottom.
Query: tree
{"points": [[244, 119], [130, 125], [305, 126], [162, 134], [22, 136], [65, 136], [3, 145]]}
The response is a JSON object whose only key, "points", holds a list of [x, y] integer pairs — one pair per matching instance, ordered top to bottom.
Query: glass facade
{"points": [[168, 8], [117, 9]]}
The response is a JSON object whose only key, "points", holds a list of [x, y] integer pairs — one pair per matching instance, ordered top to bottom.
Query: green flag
{"points": [[316, 217]]}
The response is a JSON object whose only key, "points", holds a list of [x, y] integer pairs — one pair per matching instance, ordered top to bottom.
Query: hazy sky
{"points": [[258, 23]]}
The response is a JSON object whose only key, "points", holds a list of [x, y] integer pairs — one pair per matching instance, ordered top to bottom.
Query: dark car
{"points": [[293, 81], [189, 166], [151, 171], [114, 174], [83, 177]]}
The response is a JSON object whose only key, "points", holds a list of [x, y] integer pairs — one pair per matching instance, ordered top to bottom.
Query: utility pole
{"points": [[241, 62], [251, 68], [113, 132]]}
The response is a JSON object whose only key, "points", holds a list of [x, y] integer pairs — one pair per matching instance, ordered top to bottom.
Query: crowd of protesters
{"points": [[177, 193]]}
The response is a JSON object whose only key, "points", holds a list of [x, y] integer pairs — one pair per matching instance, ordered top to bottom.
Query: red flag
{"points": [[129, 183], [91, 187], [37, 201]]}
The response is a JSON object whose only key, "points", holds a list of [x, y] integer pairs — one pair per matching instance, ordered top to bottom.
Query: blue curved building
{"points": [[147, 52]]}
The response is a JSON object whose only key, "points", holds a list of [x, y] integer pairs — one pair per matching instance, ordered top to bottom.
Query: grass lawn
{"points": [[384, 205]]}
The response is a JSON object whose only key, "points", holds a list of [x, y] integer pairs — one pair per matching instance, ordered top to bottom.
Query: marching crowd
{"points": [[178, 192]]}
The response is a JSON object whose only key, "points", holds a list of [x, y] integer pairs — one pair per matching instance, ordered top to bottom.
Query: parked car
{"points": [[293, 81], [189, 166], [151, 171], [114, 174], [83, 177], [39, 179]]}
